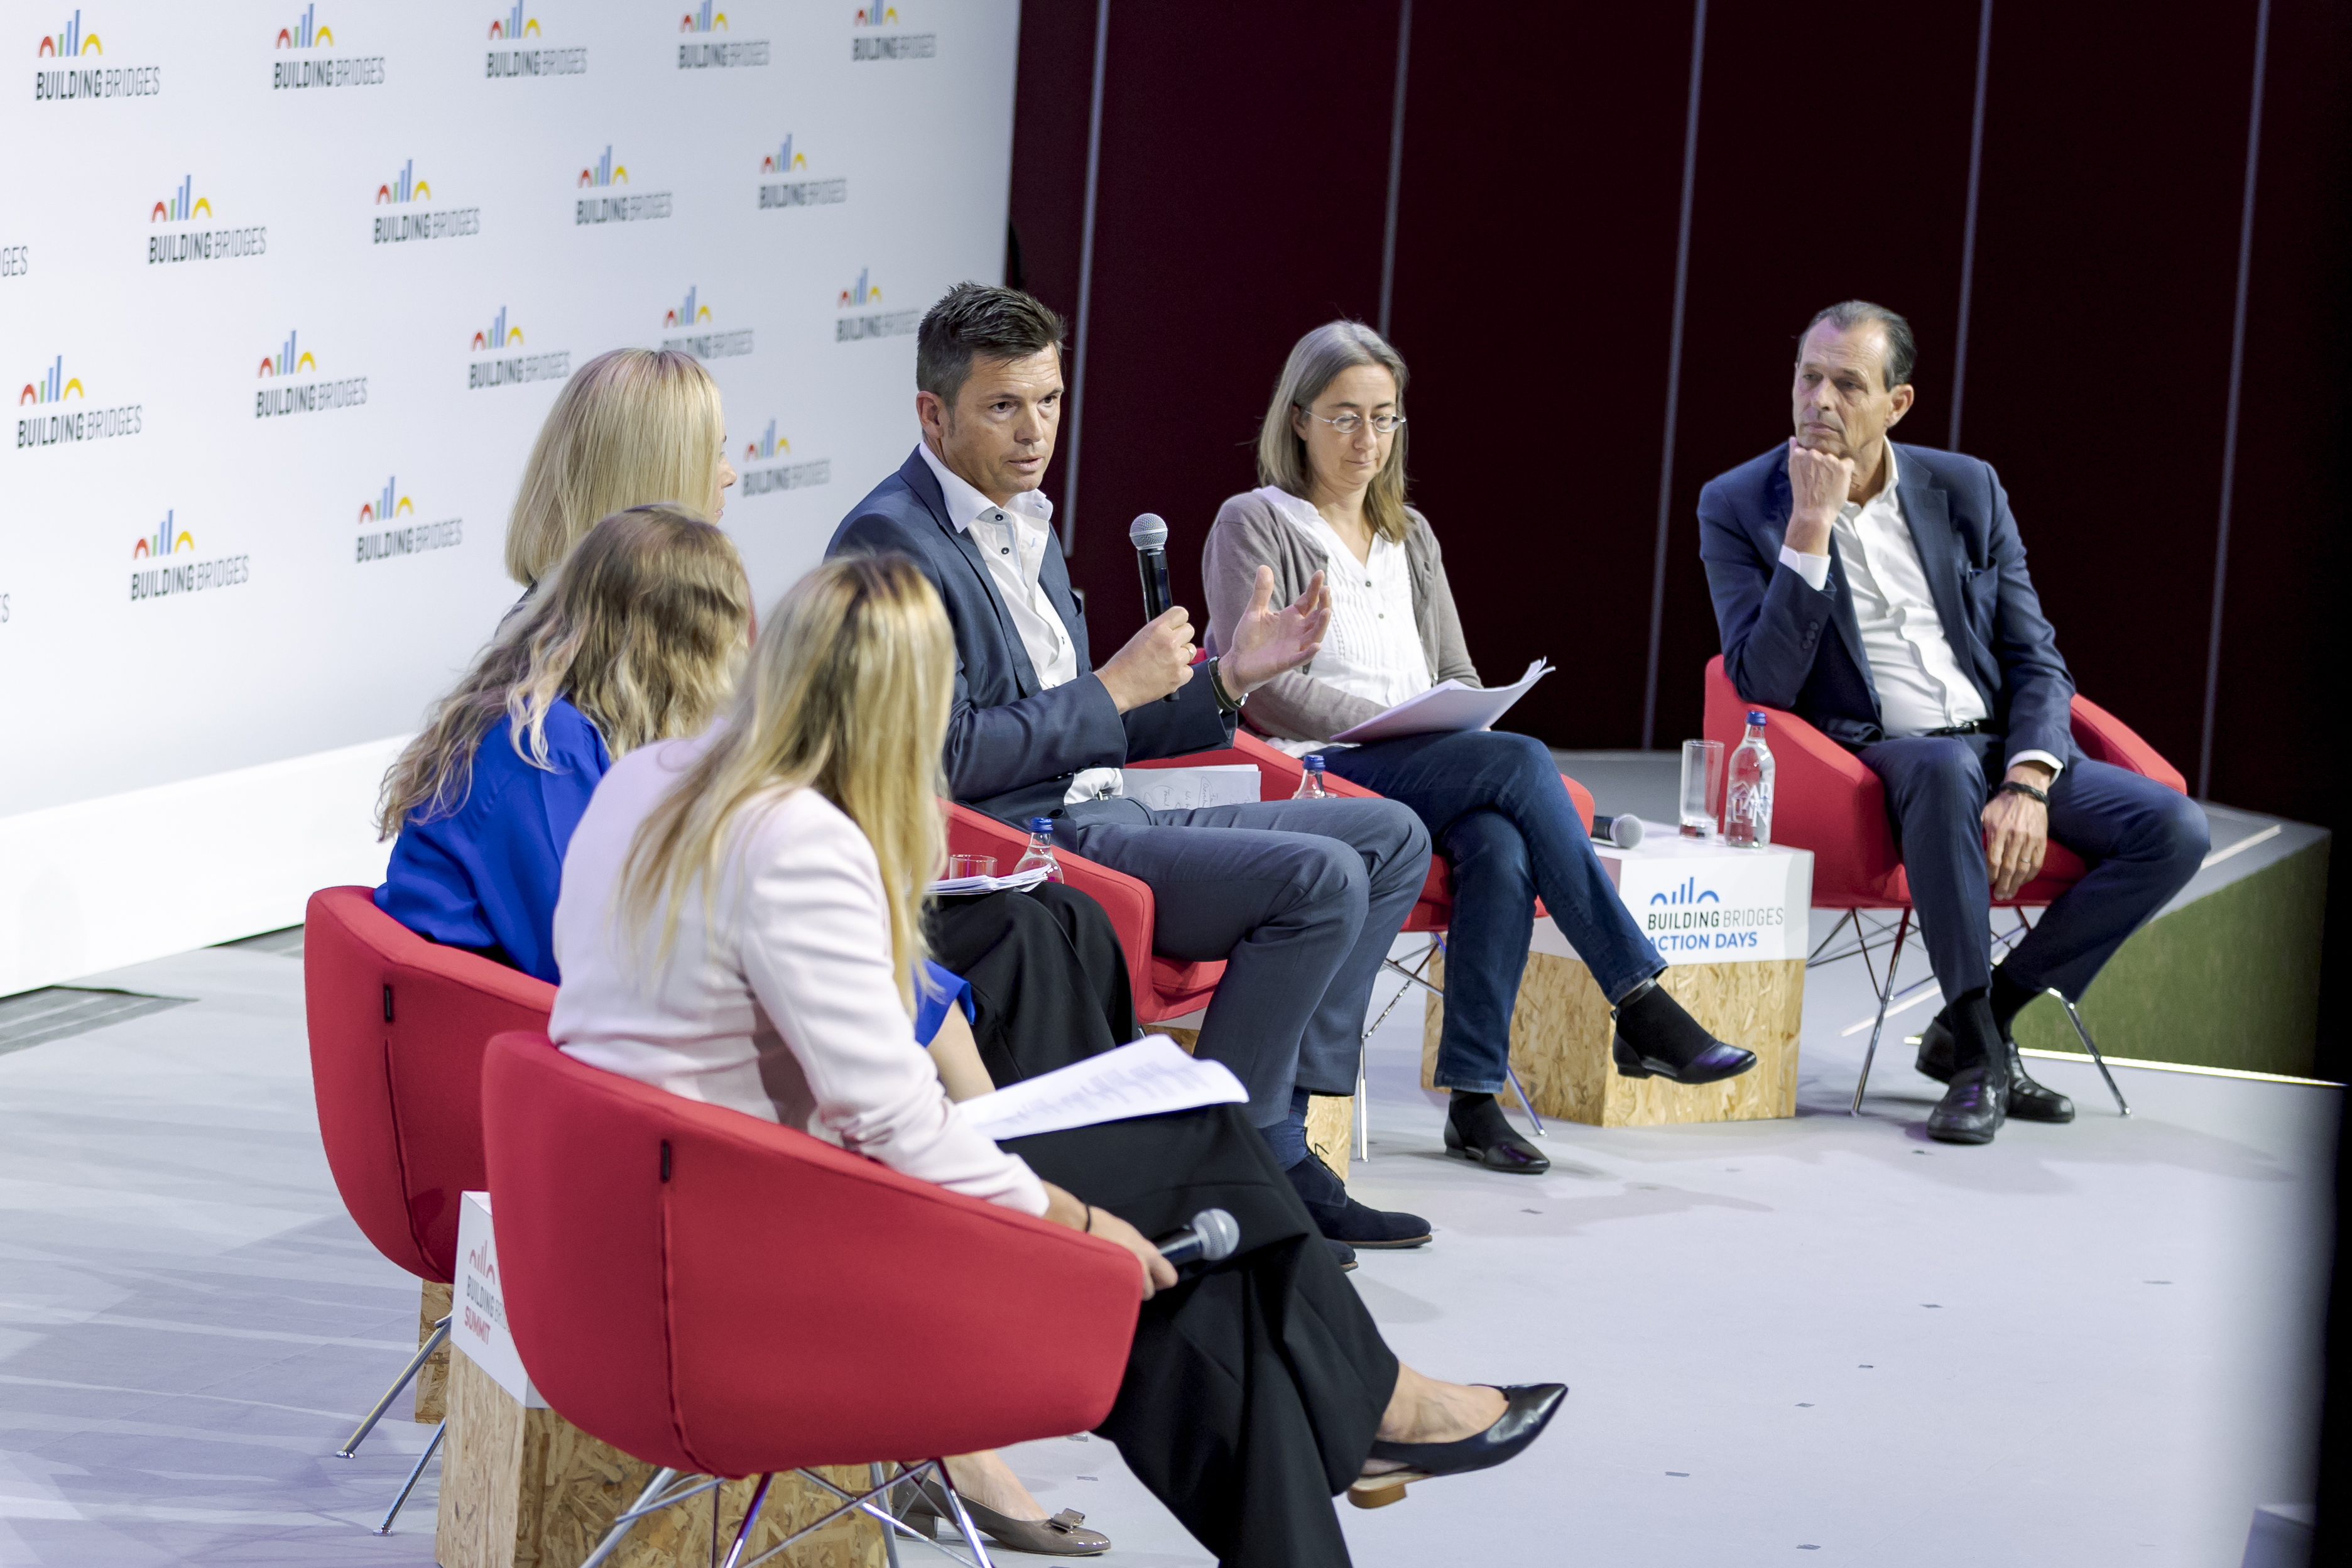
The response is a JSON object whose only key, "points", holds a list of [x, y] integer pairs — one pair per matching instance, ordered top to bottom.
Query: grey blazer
{"points": [[1295, 706], [1012, 743]]}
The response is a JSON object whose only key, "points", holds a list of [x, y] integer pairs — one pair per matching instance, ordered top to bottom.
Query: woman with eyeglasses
{"points": [[1330, 459]]}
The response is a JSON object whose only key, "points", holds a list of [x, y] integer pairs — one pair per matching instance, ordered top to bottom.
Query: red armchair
{"points": [[1826, 801], [398, 1029], [716, 1295]]}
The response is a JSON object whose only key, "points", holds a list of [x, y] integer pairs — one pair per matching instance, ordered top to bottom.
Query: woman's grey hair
{"points": [[1315, 361]]}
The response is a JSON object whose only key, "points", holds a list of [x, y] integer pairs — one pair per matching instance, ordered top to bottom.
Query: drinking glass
{"points": [[1702, 807], [962, 865]]}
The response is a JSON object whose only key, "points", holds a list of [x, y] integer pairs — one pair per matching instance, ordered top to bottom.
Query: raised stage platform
{"points": [[1823, 1334]]}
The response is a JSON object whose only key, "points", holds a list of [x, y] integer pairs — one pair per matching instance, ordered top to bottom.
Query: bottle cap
{"points": [[1756, 717], [1314, 763], [1041, 825]]}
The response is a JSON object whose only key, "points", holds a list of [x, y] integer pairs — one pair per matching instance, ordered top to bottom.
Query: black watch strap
{"points": [[1226, 702], [2018, 786]]}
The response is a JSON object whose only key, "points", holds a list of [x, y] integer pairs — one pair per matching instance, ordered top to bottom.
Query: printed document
{"points": [[1444, 709], [1184, 789], [1019, 882], [1147, 1078]]}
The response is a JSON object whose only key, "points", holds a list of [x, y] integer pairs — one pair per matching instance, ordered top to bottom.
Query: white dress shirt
{"points": [[1014, 539], [1373, 649], [1921, 686], [780, 1002]]}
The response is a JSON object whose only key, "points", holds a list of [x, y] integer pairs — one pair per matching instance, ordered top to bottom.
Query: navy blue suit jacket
{"points": [[1774, 624], [1013, 744]]}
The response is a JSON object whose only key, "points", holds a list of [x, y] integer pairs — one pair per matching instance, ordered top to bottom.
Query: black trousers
{"points": [[1048, 977], [1257, 1385]]}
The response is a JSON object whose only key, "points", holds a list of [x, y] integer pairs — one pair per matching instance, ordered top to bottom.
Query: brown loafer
{"points": [[1062, 1535]]}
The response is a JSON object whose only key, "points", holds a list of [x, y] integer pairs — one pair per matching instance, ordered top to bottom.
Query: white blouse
{"points": [[1373, 648], [783, 1005]]}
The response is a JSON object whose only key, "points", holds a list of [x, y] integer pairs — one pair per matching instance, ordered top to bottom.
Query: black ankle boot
{"points": [[1655, 1039], [1476, 1130]]}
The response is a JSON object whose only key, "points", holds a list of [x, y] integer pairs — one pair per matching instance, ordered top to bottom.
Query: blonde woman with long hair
{"points": [[632, 425], [1331, 501], [635, 637], [739, 917]]}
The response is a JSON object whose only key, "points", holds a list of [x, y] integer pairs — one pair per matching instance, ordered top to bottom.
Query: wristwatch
{"points": [[1226, 702], [2018, 786]]}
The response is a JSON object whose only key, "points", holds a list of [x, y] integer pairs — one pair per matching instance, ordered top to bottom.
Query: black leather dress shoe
{"points": [[1655, 1039], [2028, 1100], [1973, 1109], [1477, 1130], [1342, 1218], [1527, 1409]]}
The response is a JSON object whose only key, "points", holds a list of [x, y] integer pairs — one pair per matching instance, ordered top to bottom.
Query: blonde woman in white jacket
{"points": [[738, 918]]}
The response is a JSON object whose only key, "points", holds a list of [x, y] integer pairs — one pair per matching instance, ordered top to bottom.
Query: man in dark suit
{"points": [[1880, 591], [1301, 898]]}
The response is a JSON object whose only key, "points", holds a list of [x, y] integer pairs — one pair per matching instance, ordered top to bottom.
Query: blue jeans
{"points": [[1497, 810]]}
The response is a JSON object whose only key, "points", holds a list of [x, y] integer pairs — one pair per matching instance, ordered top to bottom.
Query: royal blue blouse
{"points": [[486, 876]]}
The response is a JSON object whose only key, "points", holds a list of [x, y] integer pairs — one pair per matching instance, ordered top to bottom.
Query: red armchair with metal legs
{"points": [[1825, 800], [398, 1025], [720, 1297]]}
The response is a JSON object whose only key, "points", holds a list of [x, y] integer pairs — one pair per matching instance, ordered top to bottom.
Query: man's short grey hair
{"points": [[1902, 349]]}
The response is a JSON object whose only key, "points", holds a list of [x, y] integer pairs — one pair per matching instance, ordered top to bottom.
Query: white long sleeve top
{"points": [[782, 1004]]}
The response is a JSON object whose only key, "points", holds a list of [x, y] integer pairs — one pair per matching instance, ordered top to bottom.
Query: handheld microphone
{"points": [[1148, 534], [1624, 832], [1210, 1238]]}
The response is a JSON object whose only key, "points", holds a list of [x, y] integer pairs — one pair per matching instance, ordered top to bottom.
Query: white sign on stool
{"points": [[1705, 903], [478, 1323]]}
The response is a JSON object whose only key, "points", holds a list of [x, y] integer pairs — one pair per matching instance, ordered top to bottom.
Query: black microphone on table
{"points": [[1148, 534], [1622, 831], [1210, 1238]]}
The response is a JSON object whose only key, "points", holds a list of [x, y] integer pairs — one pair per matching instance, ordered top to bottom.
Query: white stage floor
{"points": [[2090, 1344]]}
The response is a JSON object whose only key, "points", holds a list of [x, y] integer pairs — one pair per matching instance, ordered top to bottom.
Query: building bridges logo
{"points": [[514, 28], [866, 44], [710, 54], [307, 70], [82, 76], [404, 189], [792, 192], [185, 206], [636, 207], [874, 323], [703, 345], [499, 368], [302, 397], [61, 429], [783, 476], [412, 539], [170, 577], [1691, 917]]}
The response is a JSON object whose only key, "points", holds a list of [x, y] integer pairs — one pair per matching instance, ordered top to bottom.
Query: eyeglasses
{"points": [[1349, 424]]}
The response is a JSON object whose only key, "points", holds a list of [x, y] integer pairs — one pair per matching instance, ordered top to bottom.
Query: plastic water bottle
{"points": [[1310, 782], [1747, 814], [1041, 850]]}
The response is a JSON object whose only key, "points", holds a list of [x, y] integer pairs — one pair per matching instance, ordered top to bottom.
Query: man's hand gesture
{"points": [[1818, 486], [1267, 641], [1155, 661], [2016, 833]]}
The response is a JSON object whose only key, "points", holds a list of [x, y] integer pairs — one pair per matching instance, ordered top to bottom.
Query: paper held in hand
{"points": [[1445, 708], [1019, 882], [1147, 1078]]}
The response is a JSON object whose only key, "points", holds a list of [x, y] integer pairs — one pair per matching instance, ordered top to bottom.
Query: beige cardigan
{"points": [[1295, 706]]}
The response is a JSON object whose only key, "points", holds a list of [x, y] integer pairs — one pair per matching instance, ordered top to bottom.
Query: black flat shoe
{"points": [[1655, 1039], [2028, 1100], [1973, 1108], [1477, 1130], [1341, 1218], [1342, 1254], [1527, 1409]]}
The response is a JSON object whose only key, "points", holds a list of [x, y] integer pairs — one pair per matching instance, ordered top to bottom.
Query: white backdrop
{"points": [[269, 270]]}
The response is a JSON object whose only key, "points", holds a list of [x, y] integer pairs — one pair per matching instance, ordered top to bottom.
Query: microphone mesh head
{"points": [[1147, 533], [1626, 831], [1219, 1232]]}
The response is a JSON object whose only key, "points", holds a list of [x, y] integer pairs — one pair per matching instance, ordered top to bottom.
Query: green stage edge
{"points": [[2229, 981]]}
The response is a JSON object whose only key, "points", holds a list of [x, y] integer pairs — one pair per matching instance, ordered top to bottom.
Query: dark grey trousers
{"points": [[1301, 898]]}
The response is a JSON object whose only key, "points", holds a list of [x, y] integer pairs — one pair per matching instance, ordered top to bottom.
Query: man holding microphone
{"points": [[1300, 899]]}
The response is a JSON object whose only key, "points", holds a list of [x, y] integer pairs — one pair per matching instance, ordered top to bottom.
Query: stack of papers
{"points": [[1445, 708], [1187, 789], [1019, 882], [1149, 1078]]}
